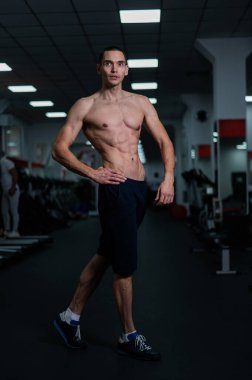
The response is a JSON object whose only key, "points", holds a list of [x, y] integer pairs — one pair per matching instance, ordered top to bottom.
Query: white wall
{"points": [[228, 56], [249, 125], [191, 132], [249, 141], [231, 160]]}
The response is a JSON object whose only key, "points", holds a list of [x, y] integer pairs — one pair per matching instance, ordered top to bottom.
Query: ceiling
{"points": [[54, 46]]}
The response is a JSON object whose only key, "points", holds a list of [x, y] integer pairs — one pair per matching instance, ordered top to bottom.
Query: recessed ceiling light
{"points": [[140, 16], [135, 63], [5, 67], [144, 86], [22, 88], [248, 98], [153, 100], [41, 103], [56, 114]]}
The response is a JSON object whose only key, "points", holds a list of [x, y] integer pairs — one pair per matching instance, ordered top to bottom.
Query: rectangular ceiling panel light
{"points": [[140, 16], [136, 63], [5, 67], [144, 86], [22, 88], [248, 98], [153, 100], [42, 103], [55, 114]]}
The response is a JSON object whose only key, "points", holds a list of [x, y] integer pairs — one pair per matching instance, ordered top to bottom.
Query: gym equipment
{"points": [[45, 205], [207, 218], [15, 248]]}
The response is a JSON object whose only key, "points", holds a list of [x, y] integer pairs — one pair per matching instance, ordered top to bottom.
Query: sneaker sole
{"points": [[57, 327], [138, 357]]}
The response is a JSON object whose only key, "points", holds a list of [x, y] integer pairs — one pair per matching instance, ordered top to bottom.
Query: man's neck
{"points": [[112, 93]]}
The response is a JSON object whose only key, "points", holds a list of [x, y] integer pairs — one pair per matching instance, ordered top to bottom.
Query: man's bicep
{"points": [[154, 125], [72, 126], [67, 134]]}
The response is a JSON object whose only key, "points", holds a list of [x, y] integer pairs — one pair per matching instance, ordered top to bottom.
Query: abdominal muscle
{"points": [[118, 147], [126, 164]]}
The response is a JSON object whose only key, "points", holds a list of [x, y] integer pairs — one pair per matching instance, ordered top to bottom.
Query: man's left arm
{"points": [[165, 193]]}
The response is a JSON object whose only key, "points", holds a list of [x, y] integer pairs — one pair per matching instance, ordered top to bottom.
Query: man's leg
{"points": [[14, 202], [5, 212], [89, 280], [123, 291], [67, 323], [130, 343]]}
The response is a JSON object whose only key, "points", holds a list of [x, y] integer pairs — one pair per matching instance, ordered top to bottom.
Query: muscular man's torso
{"points": [[113, 127]]}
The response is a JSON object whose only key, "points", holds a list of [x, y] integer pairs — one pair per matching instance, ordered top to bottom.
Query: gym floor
{"points": [[199, 321]]}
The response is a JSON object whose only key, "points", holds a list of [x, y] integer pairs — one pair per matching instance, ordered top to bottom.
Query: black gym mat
{"points": [[200, 322]]}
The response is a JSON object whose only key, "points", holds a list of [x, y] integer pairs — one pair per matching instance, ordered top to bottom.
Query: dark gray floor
{"points": [[199, 321]]}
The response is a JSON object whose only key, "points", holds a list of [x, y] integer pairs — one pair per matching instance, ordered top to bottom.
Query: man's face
{"points": [[113, 68]]}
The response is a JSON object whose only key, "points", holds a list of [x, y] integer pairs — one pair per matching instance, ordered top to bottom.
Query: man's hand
{"points": [[108, 176], [12, 191], [165, 193]]}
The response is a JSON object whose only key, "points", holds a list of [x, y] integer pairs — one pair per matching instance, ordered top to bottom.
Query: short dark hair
{"points": [[111, 48]]}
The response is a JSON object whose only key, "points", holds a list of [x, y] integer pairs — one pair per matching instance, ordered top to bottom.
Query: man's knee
{"points": [[124, 279]]}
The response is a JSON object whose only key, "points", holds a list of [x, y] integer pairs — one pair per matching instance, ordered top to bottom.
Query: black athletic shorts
{"points": [[121, 209]]}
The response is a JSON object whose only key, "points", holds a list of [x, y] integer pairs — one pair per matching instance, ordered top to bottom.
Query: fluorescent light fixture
{"points": [[140, 16], [136, 63], [5, 67], [144, 86], [22, 88], [248, 98], [153, 100], [41, 103], [56, 114], [215, 134], [215, 140], [12, 144], [242, 146], [141, 153], [193, 153], [142, 159]]}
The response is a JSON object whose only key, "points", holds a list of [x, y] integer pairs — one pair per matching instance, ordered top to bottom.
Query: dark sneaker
{"points": [[70, 333], [138, 349]]}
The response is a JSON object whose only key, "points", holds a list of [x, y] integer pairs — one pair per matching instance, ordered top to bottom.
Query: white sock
{"points": [[68, 316], [129, 336]]}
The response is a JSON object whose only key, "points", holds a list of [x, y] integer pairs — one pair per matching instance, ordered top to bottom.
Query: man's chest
{"points": [[114, 115]]}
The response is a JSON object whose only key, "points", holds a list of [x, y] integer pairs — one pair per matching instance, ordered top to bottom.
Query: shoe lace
{"points": [[78, 334], [140, 341]]}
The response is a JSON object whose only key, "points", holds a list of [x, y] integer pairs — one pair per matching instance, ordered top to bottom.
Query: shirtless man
{"points": [[112, 119]]}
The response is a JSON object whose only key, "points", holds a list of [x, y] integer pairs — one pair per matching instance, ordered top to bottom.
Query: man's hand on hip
{"points": [[108, 176]]}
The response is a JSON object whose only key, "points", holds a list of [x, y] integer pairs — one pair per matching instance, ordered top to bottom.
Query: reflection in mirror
{"points": [[204, 159], [232, 173]]}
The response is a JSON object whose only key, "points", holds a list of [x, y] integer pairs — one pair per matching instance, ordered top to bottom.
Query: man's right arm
{"points": [[66, 137]]}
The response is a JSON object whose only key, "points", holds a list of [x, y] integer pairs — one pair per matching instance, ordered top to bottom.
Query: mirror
{"points": [[232, 166]]}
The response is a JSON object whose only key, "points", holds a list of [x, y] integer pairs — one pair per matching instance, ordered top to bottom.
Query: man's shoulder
{"points": [[136, 97], [85, 101], [83, 105]]}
